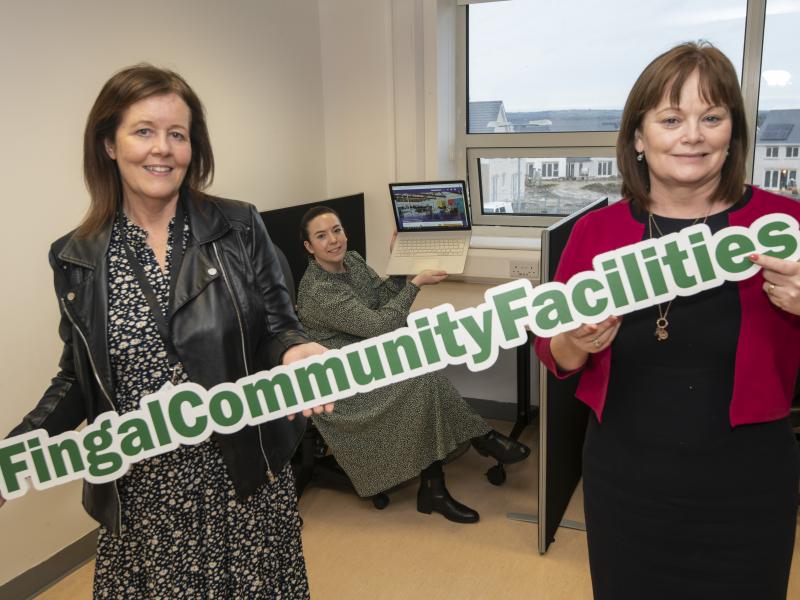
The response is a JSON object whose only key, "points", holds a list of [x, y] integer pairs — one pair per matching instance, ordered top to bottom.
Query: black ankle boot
{"points": [[501, 448], [434, 497]]}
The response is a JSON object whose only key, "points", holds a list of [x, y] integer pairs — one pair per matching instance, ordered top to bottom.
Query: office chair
{"points": [[312, 458]]}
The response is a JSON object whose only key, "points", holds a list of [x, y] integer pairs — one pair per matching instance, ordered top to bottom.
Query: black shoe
{"points": [[501, 448], [434, 497]]}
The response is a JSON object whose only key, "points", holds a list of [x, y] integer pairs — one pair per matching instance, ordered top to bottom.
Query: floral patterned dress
{"points": [[387, 436], [185, 534]]}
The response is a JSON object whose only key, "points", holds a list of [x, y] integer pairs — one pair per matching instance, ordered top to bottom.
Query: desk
{"points": [[463, 295]]}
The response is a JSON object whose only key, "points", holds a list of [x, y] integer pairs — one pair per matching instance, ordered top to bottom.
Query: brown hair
{"points": [[719, 85], [100, 172], [311, 214]]}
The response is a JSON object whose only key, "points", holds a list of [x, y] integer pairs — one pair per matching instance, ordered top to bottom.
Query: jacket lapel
{"points": [[206, 224], [197, 271]]}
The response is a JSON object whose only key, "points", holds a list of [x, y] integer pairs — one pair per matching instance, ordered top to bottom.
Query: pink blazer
{"points": [[768, 352]]}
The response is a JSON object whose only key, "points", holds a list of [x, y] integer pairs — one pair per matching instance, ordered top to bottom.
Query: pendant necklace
{"points": [[661, 332]]}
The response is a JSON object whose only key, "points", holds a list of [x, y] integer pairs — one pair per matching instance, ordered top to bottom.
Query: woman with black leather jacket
{"points": [[164, 284]]}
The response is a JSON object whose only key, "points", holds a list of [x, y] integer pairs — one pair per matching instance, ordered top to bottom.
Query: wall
{"points": [[255, 64], [388, 89], [358, 101]]}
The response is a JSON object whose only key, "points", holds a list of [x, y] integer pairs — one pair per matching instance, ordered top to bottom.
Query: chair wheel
{"points": [[496, 475], [380, 501]]}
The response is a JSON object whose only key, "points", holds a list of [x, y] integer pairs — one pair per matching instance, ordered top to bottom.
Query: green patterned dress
{"points": [[387, 436]]}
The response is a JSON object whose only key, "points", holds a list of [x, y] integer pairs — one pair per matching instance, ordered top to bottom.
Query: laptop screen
{"points": [[430, 206]]}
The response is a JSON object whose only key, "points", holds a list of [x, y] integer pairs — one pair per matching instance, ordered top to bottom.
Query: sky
{"points": [[543, 55]]}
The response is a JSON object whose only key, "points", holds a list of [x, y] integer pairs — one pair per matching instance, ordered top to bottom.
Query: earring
{"points": [[640, 157]]}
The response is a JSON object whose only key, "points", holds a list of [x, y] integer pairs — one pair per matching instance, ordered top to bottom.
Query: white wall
{"points": [[254, 63], [387, 87], [358, 101]]}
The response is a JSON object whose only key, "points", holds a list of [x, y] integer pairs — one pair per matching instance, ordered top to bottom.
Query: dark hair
{"points": [[719, 85], [100, 172], [311, 214]]}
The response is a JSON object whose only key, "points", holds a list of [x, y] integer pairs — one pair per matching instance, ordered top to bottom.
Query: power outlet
{"points": [[523, 269]]}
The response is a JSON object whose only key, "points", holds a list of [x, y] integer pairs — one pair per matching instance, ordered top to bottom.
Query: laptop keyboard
{"points": [[429, 247]]}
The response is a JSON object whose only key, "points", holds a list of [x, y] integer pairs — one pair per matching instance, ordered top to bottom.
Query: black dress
{"points": [[678, 503]]}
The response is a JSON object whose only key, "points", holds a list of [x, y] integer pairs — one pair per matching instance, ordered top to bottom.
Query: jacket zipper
{"points": [[105, 395], [270, 474]]}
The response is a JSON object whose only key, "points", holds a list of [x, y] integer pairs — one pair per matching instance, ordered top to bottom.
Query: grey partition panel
{"points": [[562, 417]]}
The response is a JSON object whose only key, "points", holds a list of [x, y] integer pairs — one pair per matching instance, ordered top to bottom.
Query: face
{"points": [[685, 145], [152, 148], [327, 241]]}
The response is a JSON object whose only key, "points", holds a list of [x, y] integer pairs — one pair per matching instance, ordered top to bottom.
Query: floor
{"points": [[354, 551]]}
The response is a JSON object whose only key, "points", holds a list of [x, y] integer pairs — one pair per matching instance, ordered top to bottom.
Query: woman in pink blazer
{"points": [[690, 464]]}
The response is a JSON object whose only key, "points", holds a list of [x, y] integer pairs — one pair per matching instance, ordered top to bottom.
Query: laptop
{"points": [[433, 228]]}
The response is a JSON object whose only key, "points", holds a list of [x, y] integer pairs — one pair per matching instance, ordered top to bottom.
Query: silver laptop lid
{"points": [[430, 206]]}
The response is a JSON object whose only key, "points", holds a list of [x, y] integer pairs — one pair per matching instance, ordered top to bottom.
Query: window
{"points": [[533, 66], [544, 84], [534, 89], [779, 100], [549, 170], [771, 179], [544, 183]]}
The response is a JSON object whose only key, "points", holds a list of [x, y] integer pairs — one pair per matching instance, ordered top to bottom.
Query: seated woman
{"points": [[394, 433]]}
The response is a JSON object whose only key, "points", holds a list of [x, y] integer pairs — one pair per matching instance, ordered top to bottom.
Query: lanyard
{"points": [[152, 300]]}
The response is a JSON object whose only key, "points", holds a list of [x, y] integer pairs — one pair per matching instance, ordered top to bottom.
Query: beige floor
{"points": [[355, 552]]}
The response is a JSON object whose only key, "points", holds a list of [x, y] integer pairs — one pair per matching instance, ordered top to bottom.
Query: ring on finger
{"points": [[771, 289], [596, 342]]}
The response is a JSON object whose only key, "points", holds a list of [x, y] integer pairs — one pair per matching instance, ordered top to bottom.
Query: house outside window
{"points": [[772, 151], [792, 151]]}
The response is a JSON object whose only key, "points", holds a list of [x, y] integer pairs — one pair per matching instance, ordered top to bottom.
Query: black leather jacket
{"points": [[232, 316]]}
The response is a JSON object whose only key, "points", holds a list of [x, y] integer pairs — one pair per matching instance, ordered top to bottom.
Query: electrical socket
{"points": [[523, 269]]}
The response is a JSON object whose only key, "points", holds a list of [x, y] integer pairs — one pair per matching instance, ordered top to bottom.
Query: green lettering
{"points": [[733, 247], [551, 309], [391, 348], [321, 372], [360, 376], [137, 438], [73, 452]]}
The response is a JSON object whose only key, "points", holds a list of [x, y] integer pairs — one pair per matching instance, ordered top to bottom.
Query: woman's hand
{"points": [[429, 277], [781, 281], [571, 348], [299, 352]]}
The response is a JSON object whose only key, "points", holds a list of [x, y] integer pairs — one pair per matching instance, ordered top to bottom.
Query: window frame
{"points": [[471, 147], [771, 179]]}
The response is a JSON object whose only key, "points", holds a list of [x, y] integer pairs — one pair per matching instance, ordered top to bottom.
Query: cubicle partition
{"points": [[283, 226], [562, 417]]}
